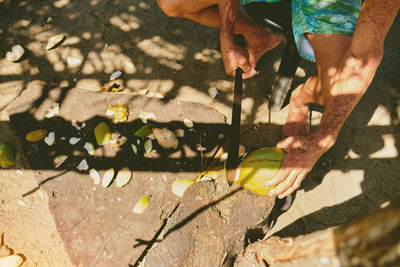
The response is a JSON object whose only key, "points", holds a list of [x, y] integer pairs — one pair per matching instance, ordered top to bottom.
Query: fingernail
{"points": [[271, 193]]}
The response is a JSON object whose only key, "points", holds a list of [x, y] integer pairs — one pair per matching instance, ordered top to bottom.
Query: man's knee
{"points": [[172, 8]]}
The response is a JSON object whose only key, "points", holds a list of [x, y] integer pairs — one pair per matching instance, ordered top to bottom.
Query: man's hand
{"points": [[235, 57], [302, 154]]}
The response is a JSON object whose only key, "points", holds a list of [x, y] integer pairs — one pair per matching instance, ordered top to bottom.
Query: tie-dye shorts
{"points": [[319, 17]]}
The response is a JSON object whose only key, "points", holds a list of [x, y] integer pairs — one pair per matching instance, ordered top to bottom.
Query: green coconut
{"points": [[258, 167]]}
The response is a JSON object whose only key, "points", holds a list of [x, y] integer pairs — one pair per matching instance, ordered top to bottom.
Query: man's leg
{"points": [[206, 12], [329, 50]]}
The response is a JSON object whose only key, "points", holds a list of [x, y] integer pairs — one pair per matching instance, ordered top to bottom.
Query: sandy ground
{"points": [[180, 59]]}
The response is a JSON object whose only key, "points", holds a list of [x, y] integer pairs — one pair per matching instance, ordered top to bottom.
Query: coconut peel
{"points": [[165, 138], [123, 177], [179, 186], [141, 205]]}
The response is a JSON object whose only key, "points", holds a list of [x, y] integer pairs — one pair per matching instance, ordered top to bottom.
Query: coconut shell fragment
{"points": [[54, 41], [16, 53], [120, 113], [144, 131], [102, 133], [37, 135], [165, 138], [7, 155], [59, 160], [95, 176], [123, 177], [108, 178], [179, 186], [141, 205], [11, 261]]}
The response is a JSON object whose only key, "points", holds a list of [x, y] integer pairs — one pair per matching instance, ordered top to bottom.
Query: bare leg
{"points": [[206, 12], [329, 51]]}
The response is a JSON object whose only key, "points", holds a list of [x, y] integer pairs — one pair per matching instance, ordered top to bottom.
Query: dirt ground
{"points": [[180, 60]]}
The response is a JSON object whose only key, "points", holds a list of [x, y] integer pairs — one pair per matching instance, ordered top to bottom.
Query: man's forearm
{"points": [[228, 12], [358, 67], [350, 84]]}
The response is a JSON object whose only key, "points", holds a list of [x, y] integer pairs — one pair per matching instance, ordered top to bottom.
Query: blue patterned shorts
{"points": [[319, 17]]}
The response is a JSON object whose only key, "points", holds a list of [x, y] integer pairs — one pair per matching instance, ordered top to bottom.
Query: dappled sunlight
{"points": [[60, 3], [125, 22], [168, 54], [208, 56], [56, 60], [89, 84], [156, 85], [9, 91], [381, 117], [389, 149], [352, 155]]}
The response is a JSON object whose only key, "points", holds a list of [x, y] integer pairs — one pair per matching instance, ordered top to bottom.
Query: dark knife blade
{"points": [[233, 151]]}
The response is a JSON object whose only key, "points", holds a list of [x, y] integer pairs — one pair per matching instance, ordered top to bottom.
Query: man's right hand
{"points": [[235, 56]]}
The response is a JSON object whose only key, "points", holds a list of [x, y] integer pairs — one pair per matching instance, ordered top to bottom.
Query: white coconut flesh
{"points": [[123, 177], [107, 178]]}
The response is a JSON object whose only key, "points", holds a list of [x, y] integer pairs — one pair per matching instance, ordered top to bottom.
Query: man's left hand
{"points": [[302, 154]]}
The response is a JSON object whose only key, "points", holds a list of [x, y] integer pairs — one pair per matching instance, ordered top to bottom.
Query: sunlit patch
{"points": [[61, 3], [144, 5], [125, 22], [22, 23], [86, 35], [72, 40], [156, 47], [167, 53], [208, 56], [54, 58], [89, 84], [146, 86], [9, 91], [381, 117], [388, 150], [352, 155]]}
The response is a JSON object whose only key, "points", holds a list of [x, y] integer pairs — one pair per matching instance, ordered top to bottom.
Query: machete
{"points": [[234, 135]]}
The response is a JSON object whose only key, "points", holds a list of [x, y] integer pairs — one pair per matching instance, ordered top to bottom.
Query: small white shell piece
{"points": [[16, 53], [73, 61], [115, 75], [213, 92], [144, 116], [188, 123], [50, 139], [74, 140], [89, 148], [83, 165], [95, 176]]}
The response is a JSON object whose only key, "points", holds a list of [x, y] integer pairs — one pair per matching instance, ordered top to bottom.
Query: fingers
{"points": [[238, 57], [249, 74], [279, 177], [288, 185], [295, 185]]}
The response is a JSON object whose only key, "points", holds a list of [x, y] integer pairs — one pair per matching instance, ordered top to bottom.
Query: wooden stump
{"points": [[210, 225], [371, 241]]}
